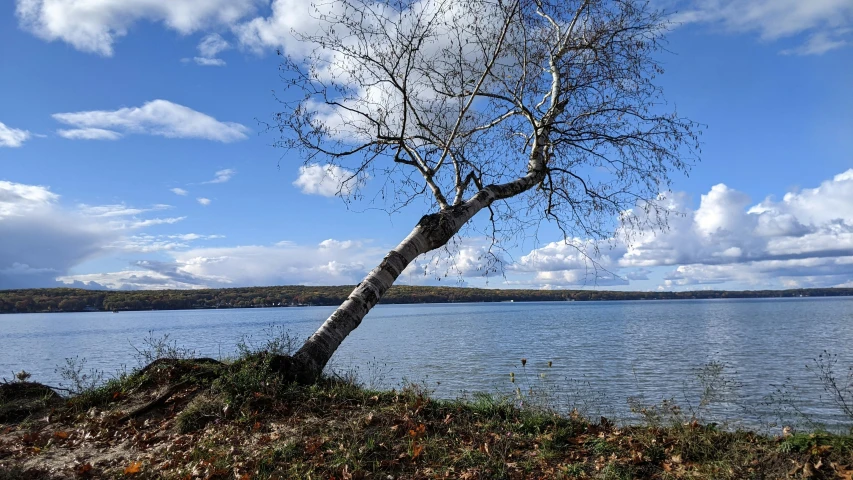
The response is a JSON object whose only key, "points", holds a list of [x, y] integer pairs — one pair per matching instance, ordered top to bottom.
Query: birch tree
{"points": [[527, 109]]}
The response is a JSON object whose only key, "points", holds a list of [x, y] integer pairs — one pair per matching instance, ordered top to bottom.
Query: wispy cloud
{"points": [[825, 24], [818, 44], [209, 48], [209, 62], [158, 117], [89, 134], [12, 137], [222, 176], [179, 191], [203, 201], [118, 210], [154, 221], [144, 243]]}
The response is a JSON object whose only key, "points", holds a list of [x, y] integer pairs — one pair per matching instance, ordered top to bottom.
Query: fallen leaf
{"points": [[60, 434], [416, 450], [133, 468], [808, 470], [842, 472]]}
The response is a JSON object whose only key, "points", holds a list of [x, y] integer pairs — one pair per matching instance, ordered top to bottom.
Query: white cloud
{"points": [[288, 16], [825, 23], [94, 25], [818, 44], [209, 47], [209, 62], [361, 90], [158, 117], [88, 134], [12, 137], [222, 176], [326, 180], [179, 191], [17, 199], [203, 201], [118, 210], [149, 222], [808, 234], [42, 239], [144, 243], [331, 262], [575, 263], [129, 280]]}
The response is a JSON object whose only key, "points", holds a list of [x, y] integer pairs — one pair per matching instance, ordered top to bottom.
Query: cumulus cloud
{"points": [[826, 24], [94, 26], [276, 30], [362, 92], [158, 117], [12, 137], [222, 176], [326, 180], [179, 191], [203, 201], [804, 239], [575, 263]]}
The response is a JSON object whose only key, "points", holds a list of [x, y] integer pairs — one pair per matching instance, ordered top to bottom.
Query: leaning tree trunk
{"points": [[432, 231]]}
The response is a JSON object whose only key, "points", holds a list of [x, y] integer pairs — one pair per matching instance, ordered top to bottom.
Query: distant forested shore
{"points": [[80, 300]]}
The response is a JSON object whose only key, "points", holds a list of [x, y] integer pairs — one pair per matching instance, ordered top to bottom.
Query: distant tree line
{"points": [[78, 300]]}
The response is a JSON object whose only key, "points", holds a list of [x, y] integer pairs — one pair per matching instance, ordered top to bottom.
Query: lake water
{"points": [[602, 353]]}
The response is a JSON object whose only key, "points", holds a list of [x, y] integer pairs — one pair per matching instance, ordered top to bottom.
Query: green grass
{"points": [[336, 428]]}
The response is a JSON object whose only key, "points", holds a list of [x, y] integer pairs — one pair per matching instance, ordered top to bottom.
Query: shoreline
{"points": [[61, 300]]}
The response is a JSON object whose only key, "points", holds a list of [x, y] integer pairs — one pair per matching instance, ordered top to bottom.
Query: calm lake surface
{"points": [[602, 352]]}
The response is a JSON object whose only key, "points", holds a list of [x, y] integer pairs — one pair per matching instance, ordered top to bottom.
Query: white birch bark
{"points": [[433, 231]]}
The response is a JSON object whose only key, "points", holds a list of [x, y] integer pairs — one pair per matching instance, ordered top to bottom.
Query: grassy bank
{"points": [[201, 418]]}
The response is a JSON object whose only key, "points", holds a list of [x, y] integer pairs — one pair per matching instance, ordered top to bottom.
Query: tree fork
{"points": [[431, 232]]}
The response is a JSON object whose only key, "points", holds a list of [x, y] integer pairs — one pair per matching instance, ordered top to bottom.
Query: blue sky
{"points": [[109, 107]]}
